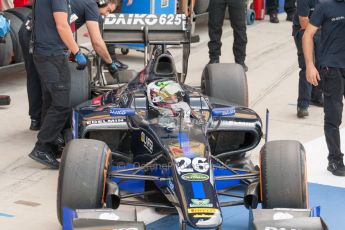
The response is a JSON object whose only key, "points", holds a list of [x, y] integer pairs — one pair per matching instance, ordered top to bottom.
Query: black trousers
{"points": [[273, 5], [238, 23], [33, 83], [333, 83], [56, 85], [306, 91]]}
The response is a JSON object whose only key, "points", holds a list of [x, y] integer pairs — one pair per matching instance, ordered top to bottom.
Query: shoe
{"points": [[290, 16], [274, 18], [213, 61], [120, 65], [245, 67], [5, 100], [318, 103], [302, 112], [35, 125], [59, 146], [45, 158], [337, 168]]}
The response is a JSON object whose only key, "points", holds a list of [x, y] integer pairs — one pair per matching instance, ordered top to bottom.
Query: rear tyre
{"points": [[201, 6], [16, 23], [6, 51], [225, 83], [80, 85], [82, 175], [283, 175]]}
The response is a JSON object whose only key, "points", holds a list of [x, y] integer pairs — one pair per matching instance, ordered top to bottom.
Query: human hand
{"points": [[129, 2], [80, 59], [112, 68], [312, 75]]}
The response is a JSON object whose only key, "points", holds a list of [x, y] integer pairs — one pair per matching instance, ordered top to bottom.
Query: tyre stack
{"points": [[10, 51]]}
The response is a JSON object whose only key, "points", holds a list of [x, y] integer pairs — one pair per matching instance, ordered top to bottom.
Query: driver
{"points": [[166, 96]]}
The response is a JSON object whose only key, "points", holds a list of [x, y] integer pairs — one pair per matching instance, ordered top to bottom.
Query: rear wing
{"points": [[146, 28]]}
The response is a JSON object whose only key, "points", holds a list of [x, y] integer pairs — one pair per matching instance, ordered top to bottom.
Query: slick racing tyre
{"points": [[201, 6], [16, 23], [6, 50], [225, 82], [80, 85], [82, 175], [283, 175]]}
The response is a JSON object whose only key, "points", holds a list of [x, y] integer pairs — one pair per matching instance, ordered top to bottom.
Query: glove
{"points": [[80, 59], [112, 68]]}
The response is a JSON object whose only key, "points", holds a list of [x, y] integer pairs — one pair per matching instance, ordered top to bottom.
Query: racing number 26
{"points": [[187, 165]]}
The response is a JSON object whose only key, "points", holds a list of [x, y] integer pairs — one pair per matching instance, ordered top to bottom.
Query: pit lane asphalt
{"points": [[28, 189]]}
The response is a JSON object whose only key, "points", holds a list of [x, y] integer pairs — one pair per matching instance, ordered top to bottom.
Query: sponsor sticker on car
{"points": [[145, 19], [121, 112], [148, 143], [195, 177], [197, 203], [202, 210], [202, 216]]}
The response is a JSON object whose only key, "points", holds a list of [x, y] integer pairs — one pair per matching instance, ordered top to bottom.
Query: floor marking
{"points": [[27, 203], [6, 215]]}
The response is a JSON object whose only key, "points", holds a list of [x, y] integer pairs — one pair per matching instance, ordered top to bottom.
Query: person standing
{"points": [[272, 10], [86, 11], [237, 16], [330, 16], [52, 38], [307, 93]]}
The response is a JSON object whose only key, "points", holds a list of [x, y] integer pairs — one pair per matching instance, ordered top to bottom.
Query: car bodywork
{"points": [[172, 146], [185, 151]]}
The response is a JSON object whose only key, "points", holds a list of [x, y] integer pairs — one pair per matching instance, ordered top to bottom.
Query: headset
{"points": [[102, 3]]}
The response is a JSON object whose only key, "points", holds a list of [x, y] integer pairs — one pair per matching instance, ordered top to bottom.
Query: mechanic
{"points": [[289, 7], [88, 11], [330, 16], [237, 18], [51, 39], [111, 48], [307, 93]]}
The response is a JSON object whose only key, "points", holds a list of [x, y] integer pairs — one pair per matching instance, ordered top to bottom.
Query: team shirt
{"points": [[305, 8], [85, 10], [330, 16], [46, 37]]}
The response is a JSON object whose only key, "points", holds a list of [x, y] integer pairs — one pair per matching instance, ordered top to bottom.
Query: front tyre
{"points": [[82, 175], [283, 175]]}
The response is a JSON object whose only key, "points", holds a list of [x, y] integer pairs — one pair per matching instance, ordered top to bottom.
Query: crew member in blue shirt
{"points": [[330, 16]]}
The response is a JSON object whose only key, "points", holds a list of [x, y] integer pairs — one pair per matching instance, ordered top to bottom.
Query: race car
{"points": [[157, 142]]}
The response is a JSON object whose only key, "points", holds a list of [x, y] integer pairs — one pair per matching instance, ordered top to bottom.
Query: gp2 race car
{"points": [[157, 142]]}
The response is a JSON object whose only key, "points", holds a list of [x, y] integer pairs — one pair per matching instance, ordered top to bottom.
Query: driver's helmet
{"points": [[164, 93]]}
